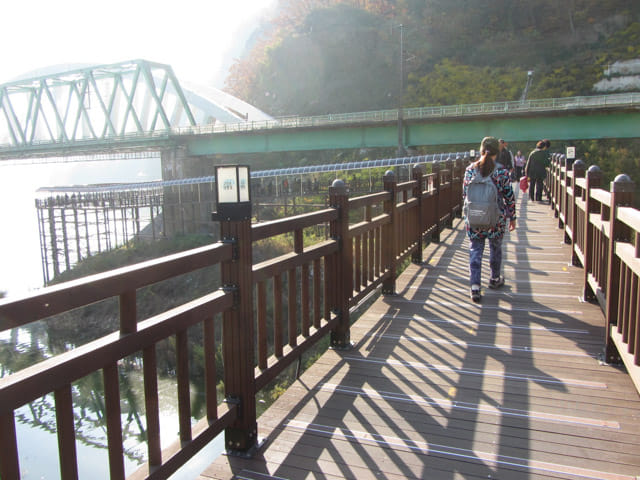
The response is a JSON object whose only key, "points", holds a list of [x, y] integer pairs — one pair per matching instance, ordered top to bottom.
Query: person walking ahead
{"points": [[536, 170], [506, 213]]}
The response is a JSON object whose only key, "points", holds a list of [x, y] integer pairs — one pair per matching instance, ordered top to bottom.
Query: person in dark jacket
{"points": [[505, 157], [536, 169]]}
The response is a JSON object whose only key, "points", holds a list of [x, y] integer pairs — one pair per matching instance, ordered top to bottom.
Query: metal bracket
{"points": [[233, 241], [230, 288], [232, 400]]}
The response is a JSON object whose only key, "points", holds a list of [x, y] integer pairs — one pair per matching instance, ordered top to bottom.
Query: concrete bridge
{"points": [[138, 106]]}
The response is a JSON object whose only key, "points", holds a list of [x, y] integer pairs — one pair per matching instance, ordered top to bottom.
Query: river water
{"points": [[21, 272]]}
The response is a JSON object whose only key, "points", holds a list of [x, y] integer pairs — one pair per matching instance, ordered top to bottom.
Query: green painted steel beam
{"points": [[554, 126]]}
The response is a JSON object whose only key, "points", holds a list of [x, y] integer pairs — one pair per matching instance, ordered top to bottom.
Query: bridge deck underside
{"points": [[438, 387]]}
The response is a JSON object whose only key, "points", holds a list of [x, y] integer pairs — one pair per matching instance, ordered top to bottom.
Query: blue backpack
{"points": [[481, 208]]}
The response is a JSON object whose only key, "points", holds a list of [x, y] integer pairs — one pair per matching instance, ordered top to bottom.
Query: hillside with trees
{"points": [[331, 56]]}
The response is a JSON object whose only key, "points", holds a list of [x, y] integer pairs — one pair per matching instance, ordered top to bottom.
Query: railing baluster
{"points": [[418, 221], [364, 278], [356, 282], [317, 293], [329, 294], [304, 299], [623, 307], [633, 313], [277, 316], [292, 317], [636, 320], [262, 325], [211, 379], [184, 398], [152, 411], [114, 424], [66, 433], [9, 464]]}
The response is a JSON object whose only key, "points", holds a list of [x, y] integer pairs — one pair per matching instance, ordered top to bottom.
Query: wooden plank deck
{"points": [[437, 387]]}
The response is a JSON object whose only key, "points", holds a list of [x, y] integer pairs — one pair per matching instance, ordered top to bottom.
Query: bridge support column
{"points": [[176, 163], [183, 208], [343, 265], [238, 339]]}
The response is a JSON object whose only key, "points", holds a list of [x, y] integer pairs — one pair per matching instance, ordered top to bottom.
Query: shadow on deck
{"points": [[438, 387]]}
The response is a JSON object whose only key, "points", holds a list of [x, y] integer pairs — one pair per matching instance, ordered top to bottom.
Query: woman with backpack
{"points": [[489, 205]]}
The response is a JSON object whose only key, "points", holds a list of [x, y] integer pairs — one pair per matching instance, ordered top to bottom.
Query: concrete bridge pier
{"points": [[186, 208]]}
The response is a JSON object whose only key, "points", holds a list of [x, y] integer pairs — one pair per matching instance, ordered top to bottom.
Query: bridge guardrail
{"points": [[420, 113]]}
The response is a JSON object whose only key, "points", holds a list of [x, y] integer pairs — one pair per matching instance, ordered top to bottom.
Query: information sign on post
{"points": [[571, 153]]}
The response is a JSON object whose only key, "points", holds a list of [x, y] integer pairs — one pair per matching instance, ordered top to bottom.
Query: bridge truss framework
{"points": [[93, 105]]}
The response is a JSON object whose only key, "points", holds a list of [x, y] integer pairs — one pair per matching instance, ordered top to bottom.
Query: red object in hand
{"points": [[524, 184]]}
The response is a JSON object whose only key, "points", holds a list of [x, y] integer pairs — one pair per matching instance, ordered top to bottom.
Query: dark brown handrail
{"points": [[604, 232], [313, 288]]}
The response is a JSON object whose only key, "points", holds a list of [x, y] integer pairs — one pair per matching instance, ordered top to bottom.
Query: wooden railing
{"points": [[604, 232], [370, 236]]}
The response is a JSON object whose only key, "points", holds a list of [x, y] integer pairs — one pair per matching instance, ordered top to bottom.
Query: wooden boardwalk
{"points": [[438, 387]]}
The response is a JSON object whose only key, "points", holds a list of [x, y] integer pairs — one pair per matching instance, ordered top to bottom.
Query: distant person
{"points": [[505, 157], [520, 162], [536, 169], [478, 172]]}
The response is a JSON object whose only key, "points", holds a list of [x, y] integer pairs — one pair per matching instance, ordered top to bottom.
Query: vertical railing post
{"points": [[435, 169], [578, 172], [418, 176], [456, 179], [594, 180], [551, 182], [557, 185], [622, 189], [562, 191], [450, 200], [390, 234], [343, 266], [238, 337], [9, 463]]}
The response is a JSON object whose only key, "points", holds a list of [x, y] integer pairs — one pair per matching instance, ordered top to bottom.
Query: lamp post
{"points": [[401, 149], [233, 195], [233, 204]]}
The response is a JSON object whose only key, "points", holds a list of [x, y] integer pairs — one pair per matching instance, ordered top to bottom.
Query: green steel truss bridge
{"points": [[139, 108]]}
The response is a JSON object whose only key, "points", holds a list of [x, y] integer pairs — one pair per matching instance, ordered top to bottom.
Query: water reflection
{"points": [[36, 422]]}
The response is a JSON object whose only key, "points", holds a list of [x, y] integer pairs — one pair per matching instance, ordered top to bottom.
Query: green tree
{"points": [[339, 60], [451, 83]]}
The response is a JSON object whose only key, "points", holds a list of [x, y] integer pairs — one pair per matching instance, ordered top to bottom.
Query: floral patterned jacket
{"points": [[500, 177]]}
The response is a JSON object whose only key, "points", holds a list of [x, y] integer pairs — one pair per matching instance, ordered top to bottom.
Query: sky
{"points": [[193, 36]]}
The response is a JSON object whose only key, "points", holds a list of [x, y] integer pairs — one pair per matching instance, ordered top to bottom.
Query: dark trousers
{"points": [[535, 188]]}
